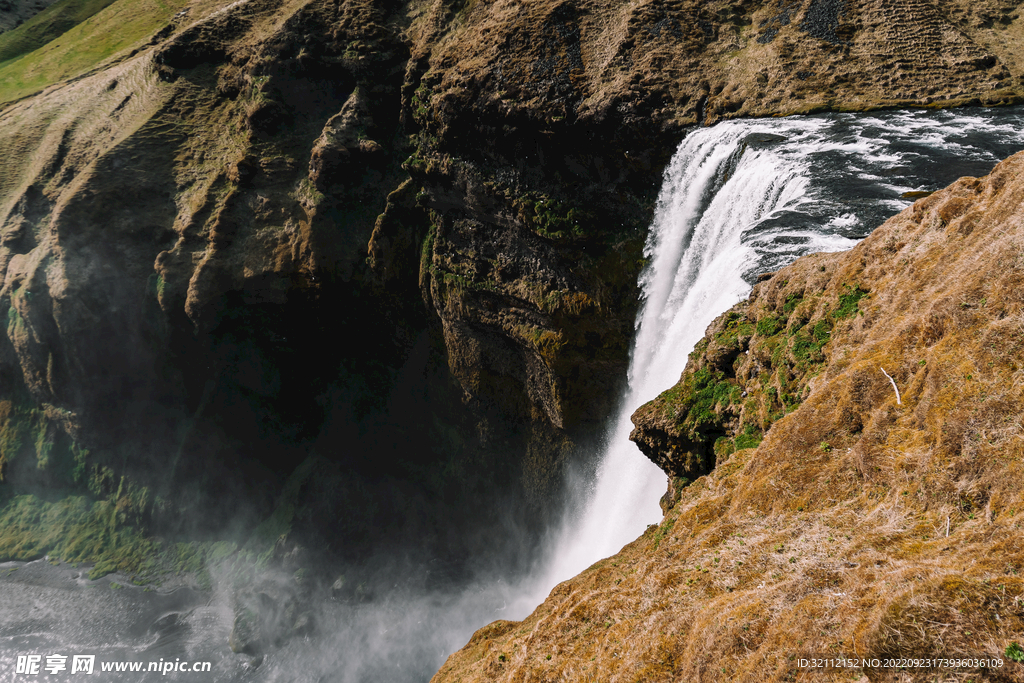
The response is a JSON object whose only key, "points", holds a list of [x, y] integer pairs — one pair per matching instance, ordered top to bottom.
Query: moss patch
{"points": [[849, 301], [752, 369]]}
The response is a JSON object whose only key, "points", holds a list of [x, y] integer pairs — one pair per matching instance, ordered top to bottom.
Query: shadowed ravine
{"points": [[738, 200]]}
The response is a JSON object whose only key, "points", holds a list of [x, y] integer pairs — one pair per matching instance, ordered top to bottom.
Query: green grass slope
{"points": [[49, 24], [102, 30]]}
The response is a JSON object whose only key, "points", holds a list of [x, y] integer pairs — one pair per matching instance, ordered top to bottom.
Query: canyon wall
{"points": [[401, 239]]}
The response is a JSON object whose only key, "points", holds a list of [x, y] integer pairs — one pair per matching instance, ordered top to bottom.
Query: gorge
{"points": [[739, 199], [318, 312]]}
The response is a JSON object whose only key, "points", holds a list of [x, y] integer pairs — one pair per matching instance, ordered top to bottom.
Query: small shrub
{"points": [[849, 302], [770, 326], [822, 332], [750, 438], [723, 447]]}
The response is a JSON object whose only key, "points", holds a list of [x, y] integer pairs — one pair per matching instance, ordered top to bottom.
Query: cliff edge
{"points": [[197, 195], [844, 451]]}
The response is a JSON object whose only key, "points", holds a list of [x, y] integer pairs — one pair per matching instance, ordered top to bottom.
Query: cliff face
{"points": [[695, 62], [555, 117], [192, 207], [831, 511]]}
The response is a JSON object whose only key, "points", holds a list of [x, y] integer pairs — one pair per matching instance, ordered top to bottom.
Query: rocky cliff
{"points": [[401, 236], [844, 450]]}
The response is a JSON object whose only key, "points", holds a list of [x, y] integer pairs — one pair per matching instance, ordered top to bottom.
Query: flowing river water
{"points": [[738, 199]]}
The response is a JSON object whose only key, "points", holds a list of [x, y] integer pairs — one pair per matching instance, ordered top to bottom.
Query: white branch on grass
{"points": [[893, 382]]}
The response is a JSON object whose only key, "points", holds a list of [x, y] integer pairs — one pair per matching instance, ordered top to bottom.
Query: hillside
{"points": [[13, 13], [397, 242], [811, 510]]}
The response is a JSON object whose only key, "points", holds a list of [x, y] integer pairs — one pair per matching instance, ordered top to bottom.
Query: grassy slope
{"points": [[46, 26], [116, 28]]}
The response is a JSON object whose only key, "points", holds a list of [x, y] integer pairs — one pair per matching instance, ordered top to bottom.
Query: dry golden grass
{"points": [[903, 538]]}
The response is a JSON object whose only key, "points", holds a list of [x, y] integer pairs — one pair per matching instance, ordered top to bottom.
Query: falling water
{"points": [[743, 198]]}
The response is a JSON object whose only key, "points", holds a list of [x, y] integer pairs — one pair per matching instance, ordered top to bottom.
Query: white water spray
{"points": [[740, 198], [708, 233]]}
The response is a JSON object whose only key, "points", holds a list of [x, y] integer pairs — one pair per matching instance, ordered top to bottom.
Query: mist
{"points": [[360, 516]]}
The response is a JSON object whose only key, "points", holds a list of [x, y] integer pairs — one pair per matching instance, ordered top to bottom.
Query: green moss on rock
{"points": [[849, 301], [753, 368]]}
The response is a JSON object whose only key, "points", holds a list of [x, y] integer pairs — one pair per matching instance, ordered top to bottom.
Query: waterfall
{"points": [[719, 188], [739, 199]]}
